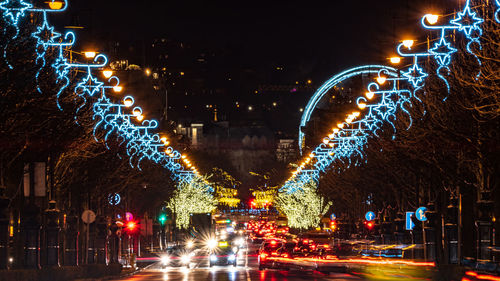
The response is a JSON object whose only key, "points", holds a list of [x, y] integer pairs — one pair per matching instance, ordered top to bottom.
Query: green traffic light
{"points": [[162, 218]]}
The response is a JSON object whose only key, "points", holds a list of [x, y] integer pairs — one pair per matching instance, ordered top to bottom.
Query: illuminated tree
{"points": [[190, 198], [303, 208]]}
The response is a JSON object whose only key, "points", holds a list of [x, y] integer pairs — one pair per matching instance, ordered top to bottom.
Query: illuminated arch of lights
{"points": [[332, 82], [391, 93], [118, 119]]}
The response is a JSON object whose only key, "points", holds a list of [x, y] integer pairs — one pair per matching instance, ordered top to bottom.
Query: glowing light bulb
{"points": [[56, 5], [431, 18], [408, 43], [90, 54], [395, 60], [107, 73], [381, 80], [117, 89], [369, 95], [128, 102], [362, 105], [356, 113], [140, 117], [348, 120], [340, 125], [335, 130], [331, 136], [326, 140]]}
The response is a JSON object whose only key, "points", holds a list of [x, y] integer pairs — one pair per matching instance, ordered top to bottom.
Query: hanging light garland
{"points": [[390, 93], [114, 117]]}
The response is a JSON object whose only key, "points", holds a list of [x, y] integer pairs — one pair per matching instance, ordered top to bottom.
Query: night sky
{"points": [[340, 33], [308, 39]]}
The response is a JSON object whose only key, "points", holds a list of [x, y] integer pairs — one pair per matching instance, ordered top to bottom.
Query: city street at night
{"points": [[261, 140]]}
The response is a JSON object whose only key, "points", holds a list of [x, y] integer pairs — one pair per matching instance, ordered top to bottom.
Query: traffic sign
{"points": [[114, 199], [420, 214], [88, 216], [129, 216], [369, 216], [333, 217], [409, 224]]}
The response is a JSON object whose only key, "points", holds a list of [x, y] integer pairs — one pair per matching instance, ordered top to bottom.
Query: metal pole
{"points": [[87, 240], [459, 250]]}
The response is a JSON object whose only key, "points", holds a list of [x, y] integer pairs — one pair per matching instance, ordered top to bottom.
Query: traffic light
{"points": [[162, 219], [333, 225], [369, 225], [131, 226]]}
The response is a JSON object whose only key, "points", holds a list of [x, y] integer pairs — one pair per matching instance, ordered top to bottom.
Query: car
{"points": [[267, 251], [224, 254], [177, 256]]}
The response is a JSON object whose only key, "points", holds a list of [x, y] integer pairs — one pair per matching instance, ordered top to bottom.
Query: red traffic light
{"points": [[369, 224], [333, 225], [131, 226]]}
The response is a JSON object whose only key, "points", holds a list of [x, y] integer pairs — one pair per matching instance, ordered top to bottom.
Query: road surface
{"points": [[247, 270]]}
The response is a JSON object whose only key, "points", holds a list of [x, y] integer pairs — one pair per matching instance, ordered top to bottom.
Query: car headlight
{"points": [[212, 243], [213, 257], [232, 257], [185, 259], [165, 260]]}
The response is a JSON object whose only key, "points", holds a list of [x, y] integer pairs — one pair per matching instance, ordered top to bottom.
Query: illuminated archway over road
{"points": [[332, 82]]}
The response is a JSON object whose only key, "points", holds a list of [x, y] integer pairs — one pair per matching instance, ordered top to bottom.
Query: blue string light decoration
{"points": [[12, 11], [497, 12], [469, 23], [129, 128], [345, 143]]}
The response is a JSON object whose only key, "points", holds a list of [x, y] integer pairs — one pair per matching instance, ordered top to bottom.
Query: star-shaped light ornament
{"points": [[14, 9], [467, 20], [45, 34], [442, 51], [62, 68], [415, 75], [90, 85]]}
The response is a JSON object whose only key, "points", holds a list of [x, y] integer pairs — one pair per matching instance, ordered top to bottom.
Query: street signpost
{"points": [[420, 214], [369, 216], [88, 217], [409, 224]]}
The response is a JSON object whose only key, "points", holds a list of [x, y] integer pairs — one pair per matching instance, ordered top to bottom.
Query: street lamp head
{"points": [[56, 5], [431, 18], [408, 43], [90, 54], [395, 60], [107, 73], [381, 80], [117, 89], [369, 95], [362, 105], [140, 117]]}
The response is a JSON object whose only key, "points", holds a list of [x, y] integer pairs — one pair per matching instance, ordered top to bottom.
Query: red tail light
{"points": [[327, 246], [285, 255], [263, 256]]}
